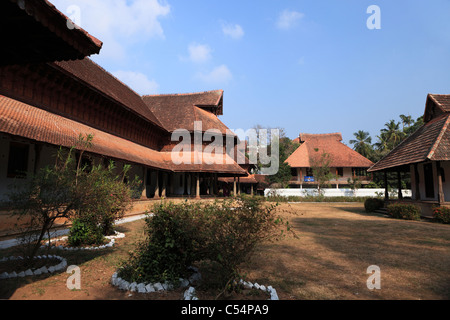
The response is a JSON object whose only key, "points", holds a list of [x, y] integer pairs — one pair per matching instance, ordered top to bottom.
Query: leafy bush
{"points": [[372, 204], [404, 211], [442, 214], [84, 232], [222, 233], [170, 245]]}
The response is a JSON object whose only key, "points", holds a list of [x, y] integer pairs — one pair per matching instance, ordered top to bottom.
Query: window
{"points": [[18, 160], [294, 172], [309, 172], [340, 172], [360, 172]]}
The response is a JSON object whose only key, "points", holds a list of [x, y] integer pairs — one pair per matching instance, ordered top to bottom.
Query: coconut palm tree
{"points": [[406, 121], [392, 133], [362, 143]]}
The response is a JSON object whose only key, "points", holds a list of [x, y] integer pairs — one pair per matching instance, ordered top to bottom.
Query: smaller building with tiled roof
{"points": [[344, 162]]}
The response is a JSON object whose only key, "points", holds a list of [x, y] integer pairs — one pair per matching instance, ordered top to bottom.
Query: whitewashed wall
{"points": [[332, 192]]}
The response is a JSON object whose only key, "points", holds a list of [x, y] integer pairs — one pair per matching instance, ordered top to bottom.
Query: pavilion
{"points": [[426, 156]]}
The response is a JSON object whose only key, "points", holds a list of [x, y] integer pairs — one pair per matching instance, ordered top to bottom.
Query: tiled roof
{"points": [[38, 32], [97, 78], [442, 100], [179, 111], [20, 119], [429, 142], [315, 144], [209, 163], [249, 179]]}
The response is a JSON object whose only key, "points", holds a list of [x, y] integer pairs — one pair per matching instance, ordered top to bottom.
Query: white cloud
{"points": [[288, 19], [117, 22], [234, 31], [199, 53], [219, 75], [137, 81]]}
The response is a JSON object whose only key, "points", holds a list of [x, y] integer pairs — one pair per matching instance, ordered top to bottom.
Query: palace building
{"points": [[51, 92]]}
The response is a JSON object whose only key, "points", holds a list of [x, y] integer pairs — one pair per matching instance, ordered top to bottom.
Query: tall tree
{"points": [[407, 121], [392, 134], [362, 143]]}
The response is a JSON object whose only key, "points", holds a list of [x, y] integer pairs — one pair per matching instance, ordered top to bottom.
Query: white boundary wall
{"points": [[333, 192]]}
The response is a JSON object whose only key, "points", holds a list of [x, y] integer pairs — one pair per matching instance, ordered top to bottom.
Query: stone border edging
{"points": [[118, 235], [36, 272], [189, 294]]}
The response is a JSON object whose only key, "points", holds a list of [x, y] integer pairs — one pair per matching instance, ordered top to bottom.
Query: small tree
{"points": [[320, 165], [67, 191], [49, 195]]}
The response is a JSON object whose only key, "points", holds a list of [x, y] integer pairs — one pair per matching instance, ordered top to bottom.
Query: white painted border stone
{"points": [[118, 235], [60, 266], [189, 294]]}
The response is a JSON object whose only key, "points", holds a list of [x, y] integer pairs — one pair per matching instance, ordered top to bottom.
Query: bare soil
{"points": [[335, 243]]}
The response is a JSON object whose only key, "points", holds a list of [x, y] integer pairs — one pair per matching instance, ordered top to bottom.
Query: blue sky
{"points": [[305, 66]]}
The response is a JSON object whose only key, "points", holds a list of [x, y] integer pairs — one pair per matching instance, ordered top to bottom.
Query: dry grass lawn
{"points": [[336, 244]]}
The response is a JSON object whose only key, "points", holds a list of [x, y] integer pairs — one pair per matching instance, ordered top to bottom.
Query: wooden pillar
{"points": [[37, 157], [417, 181], [144, 183], [171, 183], [185, 184], [193, 184], [211, 184], [399, 184], [239, 185], [157, 186], [234, 187], [216, 189], [251, 189], [163, 191], [197, 193], [386, 193], [441, 197]]}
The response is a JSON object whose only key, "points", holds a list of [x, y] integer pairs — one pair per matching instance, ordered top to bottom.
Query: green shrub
{"points": [[372, 204], [404, 211], [442, 214], [84, 233], [222, 235], [170, 247]]}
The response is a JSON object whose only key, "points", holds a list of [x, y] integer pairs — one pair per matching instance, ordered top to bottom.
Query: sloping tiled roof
{"points": [[36, 31], [97, 78], [442, 100], [436, 105], [179, 111], [20, 119], [429, 142], [315, 144], [208, 163], [249, 179]]}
